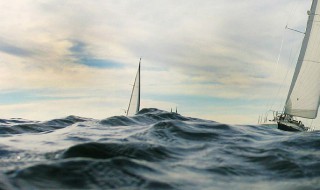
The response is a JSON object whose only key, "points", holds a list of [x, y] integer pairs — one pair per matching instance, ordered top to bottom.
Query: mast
{"points": [[139, 90], [304, 93], [134, 104]]}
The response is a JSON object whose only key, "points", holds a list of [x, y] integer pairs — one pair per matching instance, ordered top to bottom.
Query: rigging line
{"points": [[293, 10], [288, 20], [295, 30], [279, 55], [292, 60], [270, 104], [312, 127]]}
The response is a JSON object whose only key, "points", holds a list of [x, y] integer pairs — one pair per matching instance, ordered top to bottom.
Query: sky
{"points": [[224, 60]]}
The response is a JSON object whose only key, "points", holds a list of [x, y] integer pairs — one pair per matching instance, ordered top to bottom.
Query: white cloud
{"points": [[221, 49]]}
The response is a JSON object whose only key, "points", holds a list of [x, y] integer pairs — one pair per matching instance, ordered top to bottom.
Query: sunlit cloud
{"points": [[216, 54]]}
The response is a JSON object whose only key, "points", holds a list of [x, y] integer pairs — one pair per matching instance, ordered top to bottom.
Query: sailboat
{"points": [[304, 94], [134, 104]]}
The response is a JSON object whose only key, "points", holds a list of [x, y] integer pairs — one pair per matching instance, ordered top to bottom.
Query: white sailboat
{"points": [[304, 94], [134, 104]]}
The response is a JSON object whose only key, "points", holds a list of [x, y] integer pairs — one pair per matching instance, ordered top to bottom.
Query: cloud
{"points": [[14, 50], [210, 51], [81, 56], [49, 109]]}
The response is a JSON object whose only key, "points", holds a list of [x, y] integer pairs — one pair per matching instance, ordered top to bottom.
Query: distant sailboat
{"points": [[304, 94], [134, 104]]}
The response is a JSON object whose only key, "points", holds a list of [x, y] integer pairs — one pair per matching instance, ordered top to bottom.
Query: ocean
{"points": [[155, 149]]}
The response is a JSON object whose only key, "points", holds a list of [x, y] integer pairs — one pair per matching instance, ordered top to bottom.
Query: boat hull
{"points": [[286, 126]]}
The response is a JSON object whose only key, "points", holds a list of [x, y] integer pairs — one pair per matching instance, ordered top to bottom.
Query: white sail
{"points": [[304, 94], [134, 104]]}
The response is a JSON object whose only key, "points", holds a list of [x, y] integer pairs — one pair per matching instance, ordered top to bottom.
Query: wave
{"points": [[20, 126], [160, 150], [142, 151]]}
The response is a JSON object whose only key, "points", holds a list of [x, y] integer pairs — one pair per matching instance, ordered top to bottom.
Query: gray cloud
{"points": [[221, 48], [15, 50], [82, 56]]}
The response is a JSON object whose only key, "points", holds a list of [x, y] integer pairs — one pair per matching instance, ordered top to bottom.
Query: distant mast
{"points": [[134, 104]]}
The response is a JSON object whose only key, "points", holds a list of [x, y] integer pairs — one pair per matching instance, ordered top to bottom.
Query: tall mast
{"points": [[296, 94], [134, 104], [138, 106]]}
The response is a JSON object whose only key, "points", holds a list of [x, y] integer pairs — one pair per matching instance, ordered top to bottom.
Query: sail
{"points": [[304, 93], [134, 104]]}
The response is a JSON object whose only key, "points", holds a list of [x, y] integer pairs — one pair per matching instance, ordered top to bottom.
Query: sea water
{"points": [[155, 150]]}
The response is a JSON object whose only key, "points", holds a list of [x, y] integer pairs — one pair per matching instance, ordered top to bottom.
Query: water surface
{"points": [[155, 150]]}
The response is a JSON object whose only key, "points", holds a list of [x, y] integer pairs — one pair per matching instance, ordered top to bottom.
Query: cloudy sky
{"points": [[213, 59]]}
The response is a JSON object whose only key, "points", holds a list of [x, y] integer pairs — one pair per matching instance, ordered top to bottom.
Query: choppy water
{"points": [[154, 150]]}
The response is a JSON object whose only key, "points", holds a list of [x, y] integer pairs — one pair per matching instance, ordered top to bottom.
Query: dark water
{"points": [[154, 150]]}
